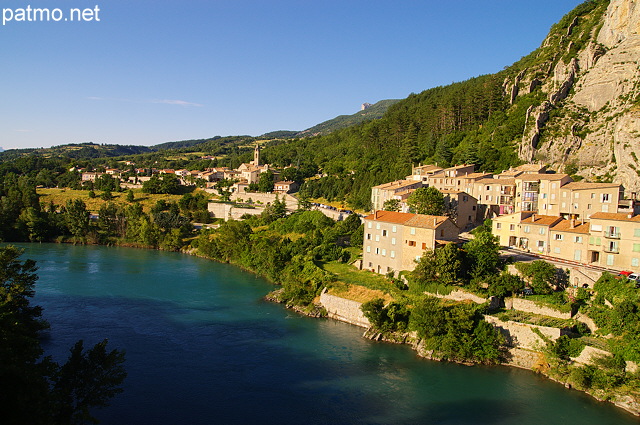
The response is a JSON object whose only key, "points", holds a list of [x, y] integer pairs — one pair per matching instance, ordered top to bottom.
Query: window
{"points": [[553, 185], [488, 188], [564, 194], [576, 195], [544, 196], [553, 196], [593, 196], [487, 197], [605, 197], [564, 205], [544, 206], [588, 206], [473, 208], [605, 208], [369, 225], [378, 226], [512, 227], [596, 227], [394, 229], [527, 229], [413, 231], [542, 231], [384, 233], [636, 233], [368, 236], [559, 237], [377, 238], [577, 239], [393, 241], [412, 243], [424, 245], [636, 247], [368, 248], [556, 250], [377, 251], [384, 252], [392, 254], [577, 255], [610, 259], [635, 262]]}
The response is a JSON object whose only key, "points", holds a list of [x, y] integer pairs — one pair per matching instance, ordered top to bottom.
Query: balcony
{"points": [[505, 200], [612, 234], [613, 249]]}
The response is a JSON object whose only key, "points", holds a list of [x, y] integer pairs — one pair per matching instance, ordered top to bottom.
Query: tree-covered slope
{"points": [[494, 121]]}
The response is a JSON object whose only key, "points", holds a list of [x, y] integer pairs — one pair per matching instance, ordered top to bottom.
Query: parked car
{"points": [[636, 278]]}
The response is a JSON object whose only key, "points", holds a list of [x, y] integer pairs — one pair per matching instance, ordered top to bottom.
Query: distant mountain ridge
{"points": [[375, 111]]}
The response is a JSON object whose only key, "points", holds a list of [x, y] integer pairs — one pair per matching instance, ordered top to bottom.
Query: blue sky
{"points": [[164, 70]]}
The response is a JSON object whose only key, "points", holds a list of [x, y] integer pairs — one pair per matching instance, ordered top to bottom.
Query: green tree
{"points": [[266, 181], [130, 196], [426, 200], [391, 205], [77, 218], [483, 253], [88, 379], [35, 390]]}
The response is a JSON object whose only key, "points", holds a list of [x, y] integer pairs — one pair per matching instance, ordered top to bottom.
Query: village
{"points": [[585, 225]]}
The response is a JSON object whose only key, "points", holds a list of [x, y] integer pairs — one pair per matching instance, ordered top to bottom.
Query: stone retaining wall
{"points": [[229, 211], [532, 307], [343, 309], [521, 335]]}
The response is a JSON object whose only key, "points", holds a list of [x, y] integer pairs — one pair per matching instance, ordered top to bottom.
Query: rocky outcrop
{"points": [[595, 92], [537, 116]]}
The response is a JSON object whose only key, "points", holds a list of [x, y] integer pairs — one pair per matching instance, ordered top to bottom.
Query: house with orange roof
{"points": [[393, 241]]}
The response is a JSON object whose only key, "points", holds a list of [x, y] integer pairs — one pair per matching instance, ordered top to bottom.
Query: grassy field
{"points": [[61, 196], [359, 285]]}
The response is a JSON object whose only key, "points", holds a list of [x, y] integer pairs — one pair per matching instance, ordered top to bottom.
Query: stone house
{"points": [[394, 240]]}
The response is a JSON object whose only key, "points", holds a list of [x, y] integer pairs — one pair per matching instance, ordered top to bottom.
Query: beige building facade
{"points": [[394, 240]]}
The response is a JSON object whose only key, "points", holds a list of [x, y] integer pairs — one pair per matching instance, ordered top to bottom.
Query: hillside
{"points": [[587, 72], [572, 104], [375, 111], [76, 151]]}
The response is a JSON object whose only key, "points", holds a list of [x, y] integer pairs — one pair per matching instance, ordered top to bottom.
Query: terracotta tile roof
{"points": [[456, 167], [530, 167], [428, 168], [476, 175], [540, 176], [500, 181], [397, 184], [588, 185], [614, 216], [390, 217], [542, 220], [426, 221], [565, 226]]}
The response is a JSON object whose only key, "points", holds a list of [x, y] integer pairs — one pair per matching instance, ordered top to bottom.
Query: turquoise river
{"points": [[202, 347]]}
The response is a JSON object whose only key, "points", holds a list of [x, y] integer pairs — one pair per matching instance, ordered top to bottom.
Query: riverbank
{"points": [[521, 358]]}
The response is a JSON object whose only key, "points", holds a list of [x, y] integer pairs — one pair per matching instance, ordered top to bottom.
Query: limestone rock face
{"points": [[622, 21], [596, 98]]}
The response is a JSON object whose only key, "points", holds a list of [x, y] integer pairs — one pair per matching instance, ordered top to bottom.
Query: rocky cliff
{"points": [[586, 80]]}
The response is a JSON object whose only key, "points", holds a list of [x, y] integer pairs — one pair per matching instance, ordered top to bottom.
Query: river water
{"points": [[203, 348]]}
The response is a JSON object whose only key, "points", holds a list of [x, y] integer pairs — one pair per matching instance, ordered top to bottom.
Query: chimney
{"points": [[375, 217], [533, 217], [435, 221], [573, 223]]}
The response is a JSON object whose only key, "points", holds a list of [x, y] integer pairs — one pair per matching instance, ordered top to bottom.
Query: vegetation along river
{"points": [[203, 348]]}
